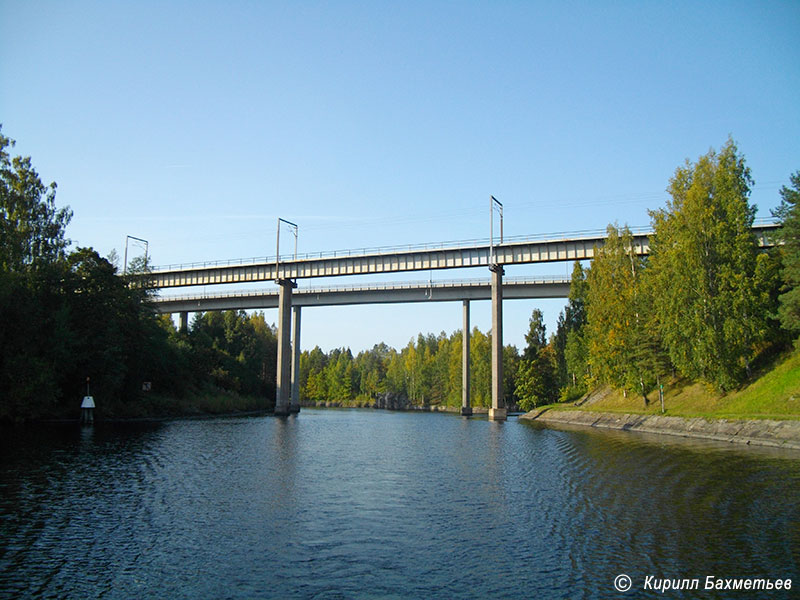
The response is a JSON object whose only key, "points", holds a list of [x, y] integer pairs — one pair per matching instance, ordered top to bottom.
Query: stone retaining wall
{"points": [[781, 434]]}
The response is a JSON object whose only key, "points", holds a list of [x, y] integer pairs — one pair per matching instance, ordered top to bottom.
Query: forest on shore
{"points": [[707, 305]]}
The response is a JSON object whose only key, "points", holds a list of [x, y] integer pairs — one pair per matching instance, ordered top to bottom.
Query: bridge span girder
{"points": [[527, 252], [395, 262], [528, 290]]}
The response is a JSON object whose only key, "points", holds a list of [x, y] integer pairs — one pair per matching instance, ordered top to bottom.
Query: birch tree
{"points": [[703, 265], [617, 318]]}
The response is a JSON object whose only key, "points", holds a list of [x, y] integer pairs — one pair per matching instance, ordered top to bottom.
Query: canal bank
{"points": [[760, 432]]}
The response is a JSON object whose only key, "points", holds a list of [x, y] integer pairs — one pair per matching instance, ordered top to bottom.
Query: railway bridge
{"points": [[286, 271]]}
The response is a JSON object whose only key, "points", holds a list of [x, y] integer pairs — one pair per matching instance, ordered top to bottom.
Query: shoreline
{"points": [[476, 410], [250, 413], [157, 418], [757, 432]]}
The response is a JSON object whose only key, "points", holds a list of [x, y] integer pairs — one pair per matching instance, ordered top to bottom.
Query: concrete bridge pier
{"points": [[183, 320], [283, 390], [294, 407], [466, 407], [498, 410]]}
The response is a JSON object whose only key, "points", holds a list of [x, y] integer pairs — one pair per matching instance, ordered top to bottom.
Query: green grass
{"points": [[773, 395]]}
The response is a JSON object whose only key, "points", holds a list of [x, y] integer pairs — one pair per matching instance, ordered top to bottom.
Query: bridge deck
{"points": [[515, 253]]}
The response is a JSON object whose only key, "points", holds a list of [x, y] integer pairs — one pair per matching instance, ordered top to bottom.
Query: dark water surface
{"points": [[373, 504]]}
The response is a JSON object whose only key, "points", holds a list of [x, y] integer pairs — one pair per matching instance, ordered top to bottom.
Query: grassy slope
{"points": [[774, 395]]}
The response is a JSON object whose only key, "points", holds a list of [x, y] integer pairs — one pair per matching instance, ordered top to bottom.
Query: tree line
{"points": [[706, 304], [66, 316], [426, 372]]}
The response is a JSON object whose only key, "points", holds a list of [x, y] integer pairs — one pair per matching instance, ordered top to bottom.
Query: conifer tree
{"points": [[789, 214], [575, 353], [536, 376]]}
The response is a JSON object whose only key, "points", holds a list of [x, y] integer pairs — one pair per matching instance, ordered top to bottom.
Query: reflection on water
{"points": [[373, 504]]}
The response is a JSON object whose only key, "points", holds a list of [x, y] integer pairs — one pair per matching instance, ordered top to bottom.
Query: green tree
{"points": [[789, 215], [32, 229], [709, 313], [617, 315], [34, 319], [536, 336], [569, 348], [236, 351], [480, 352], [576, 354], [263, 357], [412, 365], [511, 365], [28, 366], [371, 366], [454, 369], [439, 370], [427, 371], [536, 376], [339, 377], [312, 379], [396, 380]]}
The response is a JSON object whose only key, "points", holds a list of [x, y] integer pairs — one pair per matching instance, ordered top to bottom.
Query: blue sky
{"points": [[195, 125]]}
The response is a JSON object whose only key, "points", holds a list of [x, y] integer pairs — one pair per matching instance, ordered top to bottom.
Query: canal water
{"points": [[374, 504]]}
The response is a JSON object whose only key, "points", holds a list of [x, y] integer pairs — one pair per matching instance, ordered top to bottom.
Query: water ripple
{"points": [[370, 504]]}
